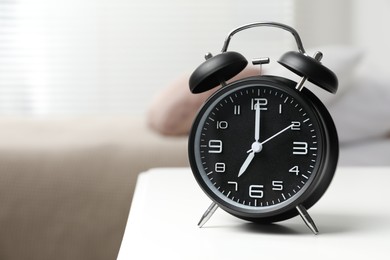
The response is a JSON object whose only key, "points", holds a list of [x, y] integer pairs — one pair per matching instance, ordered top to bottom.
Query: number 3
{"points": [[300, 148]]}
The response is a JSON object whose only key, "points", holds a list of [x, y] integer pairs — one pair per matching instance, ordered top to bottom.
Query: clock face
{"points": [[256, 147]]}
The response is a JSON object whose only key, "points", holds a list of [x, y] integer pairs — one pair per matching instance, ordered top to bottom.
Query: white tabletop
{"points": [[353, 218]]}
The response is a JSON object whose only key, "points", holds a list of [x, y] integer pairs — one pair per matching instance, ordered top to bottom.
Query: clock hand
{"points": [[257, 121], [275, 135], [256, 148], [246, 163]]}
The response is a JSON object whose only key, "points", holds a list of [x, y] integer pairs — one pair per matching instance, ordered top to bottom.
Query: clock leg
{"points": [[208, 213], [307, 219]]}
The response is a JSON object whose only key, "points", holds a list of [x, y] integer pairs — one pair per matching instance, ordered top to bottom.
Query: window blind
{"points": [[102, 57]]}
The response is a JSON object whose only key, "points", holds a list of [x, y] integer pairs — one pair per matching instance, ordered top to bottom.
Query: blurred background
{"points": [[104, 57], [78, 79]]}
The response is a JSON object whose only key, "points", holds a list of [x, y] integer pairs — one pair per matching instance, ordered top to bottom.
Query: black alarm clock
{"points": [[263, 148]]}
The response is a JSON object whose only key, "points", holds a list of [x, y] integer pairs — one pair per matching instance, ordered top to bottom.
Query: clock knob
{"points": [[306, 66], [215, 70]]}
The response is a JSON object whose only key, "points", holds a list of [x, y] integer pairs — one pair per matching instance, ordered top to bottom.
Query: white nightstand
{"points": [[353, 218]]}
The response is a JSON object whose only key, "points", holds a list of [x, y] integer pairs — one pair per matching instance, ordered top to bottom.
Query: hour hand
{"points": [[256, 148], [246, 163]]}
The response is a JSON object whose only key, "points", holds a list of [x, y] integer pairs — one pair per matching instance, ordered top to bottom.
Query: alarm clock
{"points": [[263, 148]]}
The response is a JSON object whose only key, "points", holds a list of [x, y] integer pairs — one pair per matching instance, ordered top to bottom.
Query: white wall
{"points": [[324, 22], [358, 23], [371, 23], [158, 41], [110, 57]]}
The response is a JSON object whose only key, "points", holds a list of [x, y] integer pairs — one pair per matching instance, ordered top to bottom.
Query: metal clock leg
{"points": [[208, 213], [307, 219]]}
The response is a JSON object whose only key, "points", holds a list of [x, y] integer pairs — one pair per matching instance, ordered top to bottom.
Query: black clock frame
{"points": [[313, 191]]}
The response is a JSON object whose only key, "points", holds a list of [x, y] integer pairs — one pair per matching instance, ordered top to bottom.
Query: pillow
{"points": [[173, 110], [364, 113]]}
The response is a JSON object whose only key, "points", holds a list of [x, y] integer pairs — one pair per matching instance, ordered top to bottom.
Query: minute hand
{"points": [[278, 133]]}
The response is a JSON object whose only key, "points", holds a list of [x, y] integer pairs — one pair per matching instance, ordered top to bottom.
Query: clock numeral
{"points": [[262, 102], [237, 109], [280, 109], [222, 125], [296, 125], [215, 146], [300, 148], [220, 167], [295, 170], [235, 185], [277, 185], [256, 191]]}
